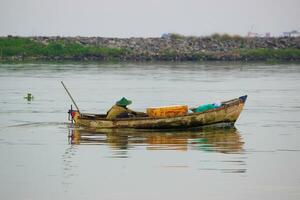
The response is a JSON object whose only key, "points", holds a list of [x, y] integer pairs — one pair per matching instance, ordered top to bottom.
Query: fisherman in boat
{"points": [[119, 110]]}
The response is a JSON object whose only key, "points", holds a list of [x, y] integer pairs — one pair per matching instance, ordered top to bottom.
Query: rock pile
{"points": [[181, 48]]}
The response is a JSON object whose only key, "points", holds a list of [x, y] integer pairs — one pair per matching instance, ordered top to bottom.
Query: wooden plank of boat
{"points": [[225, 115]]}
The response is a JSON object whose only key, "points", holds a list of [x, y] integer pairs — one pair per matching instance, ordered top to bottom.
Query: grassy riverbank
{"points": [[25, 48], [19, 49], [258, 54]]}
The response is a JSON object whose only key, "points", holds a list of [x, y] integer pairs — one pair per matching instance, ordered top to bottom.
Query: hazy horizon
{"points": [[152, 18]]}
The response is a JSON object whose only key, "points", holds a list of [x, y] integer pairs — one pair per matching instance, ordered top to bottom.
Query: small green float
{"points": [[29, 97]]}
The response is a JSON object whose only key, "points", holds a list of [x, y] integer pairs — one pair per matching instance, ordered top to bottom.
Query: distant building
{"points": [[293, 33], [252, 34], [268, 34], [166, 36]]}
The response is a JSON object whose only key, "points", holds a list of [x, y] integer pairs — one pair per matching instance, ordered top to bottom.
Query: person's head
{"points": [[123, 102]]}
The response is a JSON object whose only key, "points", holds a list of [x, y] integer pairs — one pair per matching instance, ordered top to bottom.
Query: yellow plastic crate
{"points": [[167, 111]]}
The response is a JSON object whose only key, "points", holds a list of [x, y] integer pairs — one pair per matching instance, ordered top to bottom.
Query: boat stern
{"points": [[73, 115]]}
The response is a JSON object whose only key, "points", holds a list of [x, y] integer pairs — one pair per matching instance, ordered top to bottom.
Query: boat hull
{"points": [[226, 115]]}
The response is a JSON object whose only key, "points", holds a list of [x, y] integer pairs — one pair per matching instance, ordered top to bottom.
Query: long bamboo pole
{"points": [[70, 96]]}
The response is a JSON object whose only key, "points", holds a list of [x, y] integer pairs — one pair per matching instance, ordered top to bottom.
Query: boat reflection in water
{"points": [[226, 141]]}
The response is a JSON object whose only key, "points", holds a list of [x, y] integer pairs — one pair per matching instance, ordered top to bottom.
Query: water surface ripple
{"points": [[43, 156]]}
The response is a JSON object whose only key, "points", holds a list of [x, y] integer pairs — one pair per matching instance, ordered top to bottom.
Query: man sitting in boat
{"points": [[119, 110]]}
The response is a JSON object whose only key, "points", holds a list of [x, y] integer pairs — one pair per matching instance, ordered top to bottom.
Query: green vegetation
{"points": [[176, 36], [216, 36], [224, 37], [28, 48], [238, 54], [270, 54], [168, 55]]}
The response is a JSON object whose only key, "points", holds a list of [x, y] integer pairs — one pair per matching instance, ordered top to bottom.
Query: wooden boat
{"points": [[223, 116]]}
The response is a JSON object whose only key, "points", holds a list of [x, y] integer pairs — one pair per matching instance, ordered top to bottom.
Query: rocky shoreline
{"points": [[173, 48]]}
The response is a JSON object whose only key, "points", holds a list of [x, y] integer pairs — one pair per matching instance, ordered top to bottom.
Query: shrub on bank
{"points": [[176, 36], [224, 37], [270, 54]]}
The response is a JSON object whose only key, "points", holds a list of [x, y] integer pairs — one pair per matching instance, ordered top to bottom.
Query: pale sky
{"points": [[146, 18]]}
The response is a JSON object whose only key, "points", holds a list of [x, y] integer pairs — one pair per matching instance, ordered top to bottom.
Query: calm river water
{"points": [[259, 159]]}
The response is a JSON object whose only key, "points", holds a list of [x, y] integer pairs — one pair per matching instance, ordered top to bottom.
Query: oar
{"points": [[70, 96]]}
